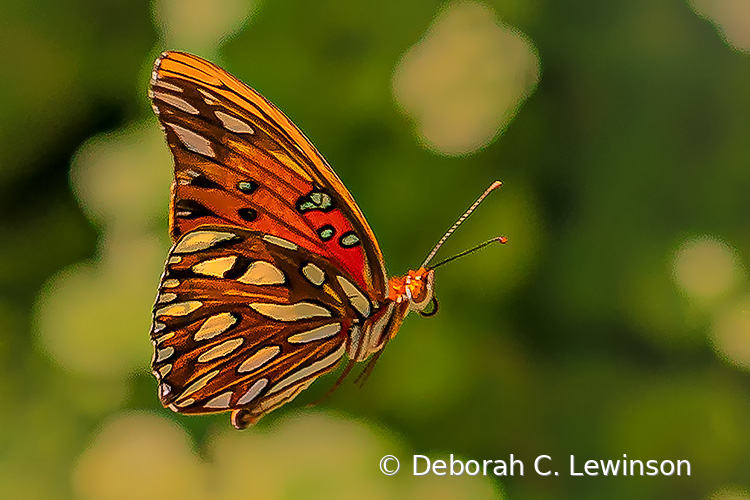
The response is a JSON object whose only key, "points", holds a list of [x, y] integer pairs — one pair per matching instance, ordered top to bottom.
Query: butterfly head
{"points": [[416, 288]]}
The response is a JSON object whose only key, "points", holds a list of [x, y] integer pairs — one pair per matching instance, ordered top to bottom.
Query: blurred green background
{"points": [[616, 321]]}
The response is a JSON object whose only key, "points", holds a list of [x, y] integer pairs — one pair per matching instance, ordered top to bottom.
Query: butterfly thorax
{"points": [[416, 287]]}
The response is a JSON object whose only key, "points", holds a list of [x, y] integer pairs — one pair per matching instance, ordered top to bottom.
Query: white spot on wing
{"points": [[165, 85], [208, 97], [175, 101], [233, 123], [193, 140], [350, 240], [195, 241], [280, 242], [175, 259], [215, 267], [262, 273], [314, 274], [170, 283], [166, 297], [357, 298], [179, 308], [290, 312], [215, 325], [322, 332], [166, 336], [220, 350], [162, 354], [260, 358], [164, 370], [309, 370], [197, 385], [164, 390], [254, 390], [278, 400], [220, 401], [185, 402]]}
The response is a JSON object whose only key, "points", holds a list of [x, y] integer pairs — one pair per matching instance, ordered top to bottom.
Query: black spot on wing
{"points": [[204, 182], [190, 209], [247, 214], [239, 268]]}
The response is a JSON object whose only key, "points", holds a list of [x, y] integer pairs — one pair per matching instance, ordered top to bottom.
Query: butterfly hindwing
{"points": [[240, 161], [246, 320]]}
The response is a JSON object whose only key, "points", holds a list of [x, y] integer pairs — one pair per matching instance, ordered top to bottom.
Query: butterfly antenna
{"points": [[460, 221], [496, 239]]}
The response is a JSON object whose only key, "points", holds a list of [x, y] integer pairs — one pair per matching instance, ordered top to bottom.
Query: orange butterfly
{"points": [[274, 275]]}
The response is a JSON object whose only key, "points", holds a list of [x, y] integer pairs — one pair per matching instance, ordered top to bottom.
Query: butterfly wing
{"points": [[240, 161], [275, 273], [245, 320]]}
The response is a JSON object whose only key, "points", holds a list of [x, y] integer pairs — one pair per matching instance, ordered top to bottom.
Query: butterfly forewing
{"points": [[240, 161], [246, 320]]}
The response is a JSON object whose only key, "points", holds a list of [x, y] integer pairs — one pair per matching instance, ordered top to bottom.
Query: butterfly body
{"points": [[274, 275]]}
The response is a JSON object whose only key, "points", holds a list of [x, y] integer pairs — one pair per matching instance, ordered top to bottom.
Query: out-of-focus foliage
{"points": [[616, 321]]}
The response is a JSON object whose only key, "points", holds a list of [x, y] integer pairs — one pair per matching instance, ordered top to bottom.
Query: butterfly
{"points": [[274, 275]]}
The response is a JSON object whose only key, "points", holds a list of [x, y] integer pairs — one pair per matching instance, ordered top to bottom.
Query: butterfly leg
{"points": [[367, 371], [336, 384]]}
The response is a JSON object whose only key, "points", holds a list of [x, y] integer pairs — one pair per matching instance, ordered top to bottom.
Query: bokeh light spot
{"points": [[731, 18], [199, 26], [465, 79], [123, 178], [705, 268], [92, 318], [731, 333], [139, 456], [310, 456], [731, 493]]}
